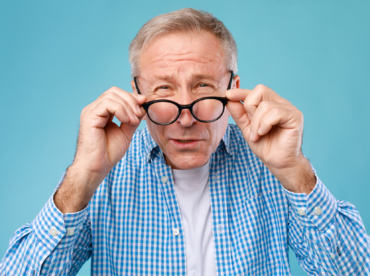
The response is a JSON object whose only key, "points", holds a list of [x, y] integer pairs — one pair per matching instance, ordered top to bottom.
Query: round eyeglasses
{"points": [[205, 110], [166, 112]]}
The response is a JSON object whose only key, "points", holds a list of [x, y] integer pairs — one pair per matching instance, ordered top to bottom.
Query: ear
{"points": [[236, 82], [133, 86]]}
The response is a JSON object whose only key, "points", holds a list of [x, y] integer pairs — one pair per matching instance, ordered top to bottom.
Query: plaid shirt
{"points": [[132, 225]]}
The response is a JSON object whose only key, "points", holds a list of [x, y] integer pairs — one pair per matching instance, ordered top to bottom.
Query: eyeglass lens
{"points": [[204, 110]]}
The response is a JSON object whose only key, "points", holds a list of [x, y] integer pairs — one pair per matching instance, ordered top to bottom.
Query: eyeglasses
{"points": [[205, 110]]}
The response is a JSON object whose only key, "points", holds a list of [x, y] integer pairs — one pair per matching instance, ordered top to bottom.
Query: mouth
{"points": [[184, 141], [185, 144]]}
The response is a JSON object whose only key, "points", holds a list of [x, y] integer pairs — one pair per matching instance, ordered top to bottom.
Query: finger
{"points": [[237, 95], [122, 97], [254, 97], [133, 98], [250, 98], [141, 99], [107, 108], [263, 108], [130, 112], [237, 112], [270, 114], [282, 117], [134, 119], [270, 119]]}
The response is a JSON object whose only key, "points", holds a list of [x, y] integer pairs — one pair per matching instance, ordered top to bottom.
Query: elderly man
{"points": [[190, 194]]}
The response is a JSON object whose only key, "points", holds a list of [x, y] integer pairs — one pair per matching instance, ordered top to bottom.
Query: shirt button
{"points": [[164, 179], [317, 211], [301, 212], [53, 231], [70, 231], [175, 231], [332, 256]]}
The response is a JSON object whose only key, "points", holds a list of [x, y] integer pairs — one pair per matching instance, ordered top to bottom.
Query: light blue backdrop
{"points": [[58, 56]]}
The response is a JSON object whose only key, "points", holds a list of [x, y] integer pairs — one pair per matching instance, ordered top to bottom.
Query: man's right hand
{"points": [[101, 144]]}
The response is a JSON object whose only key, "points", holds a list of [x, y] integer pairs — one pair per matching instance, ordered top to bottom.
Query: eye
{"points": [[203, 85], [163, 87]]}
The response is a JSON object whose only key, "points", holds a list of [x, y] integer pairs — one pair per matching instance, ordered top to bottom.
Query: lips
{"points": [[188, 140], [185, 143]]}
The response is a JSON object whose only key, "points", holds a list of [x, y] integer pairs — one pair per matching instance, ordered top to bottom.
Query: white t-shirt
{"points": [[192, 192]]}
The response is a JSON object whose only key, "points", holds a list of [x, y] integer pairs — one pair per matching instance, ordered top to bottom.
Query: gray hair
{"points": [[184, 20]]}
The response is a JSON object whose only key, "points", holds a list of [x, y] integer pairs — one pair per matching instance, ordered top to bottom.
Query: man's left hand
{"points": [[273, 128]]}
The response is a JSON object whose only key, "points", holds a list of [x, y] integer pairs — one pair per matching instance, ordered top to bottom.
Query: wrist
{"points": [[84, 178], [299, 178], [76, 190]]}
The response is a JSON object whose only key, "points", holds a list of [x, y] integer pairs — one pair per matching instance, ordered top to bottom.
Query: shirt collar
{"points": [[152, 148]]}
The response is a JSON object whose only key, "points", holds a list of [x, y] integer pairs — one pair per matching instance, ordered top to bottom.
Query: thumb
{"points": [[140, 98], [239, 115], [129, 128]]}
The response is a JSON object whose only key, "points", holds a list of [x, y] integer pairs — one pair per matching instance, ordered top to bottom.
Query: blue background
{"points": [[58, 56]]}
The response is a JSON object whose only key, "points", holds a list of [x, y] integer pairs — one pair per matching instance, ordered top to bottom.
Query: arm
{"points": [[319, 226], [327, 234], [59, 239], [52, 243]]}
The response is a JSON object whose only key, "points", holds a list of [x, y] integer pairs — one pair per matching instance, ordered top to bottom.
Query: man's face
{"points": [[176, 67]]}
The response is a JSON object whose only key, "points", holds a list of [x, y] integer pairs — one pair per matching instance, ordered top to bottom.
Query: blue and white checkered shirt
{"points": [[132, 225]]}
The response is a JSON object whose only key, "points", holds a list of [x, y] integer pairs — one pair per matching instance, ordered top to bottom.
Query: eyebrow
{"points": [[171, 77]]}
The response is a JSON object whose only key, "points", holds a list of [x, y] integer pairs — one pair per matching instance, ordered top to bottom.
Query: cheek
{"points": [[218, 130], [156, 132]]}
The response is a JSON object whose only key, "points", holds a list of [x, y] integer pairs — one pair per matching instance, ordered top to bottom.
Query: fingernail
{"points": [[251, 136]]}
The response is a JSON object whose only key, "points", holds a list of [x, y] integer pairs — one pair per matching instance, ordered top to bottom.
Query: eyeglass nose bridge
{"points": [[184, 107]]}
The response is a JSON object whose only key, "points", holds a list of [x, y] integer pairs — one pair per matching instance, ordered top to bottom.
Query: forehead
{"points": [[181, 53]]}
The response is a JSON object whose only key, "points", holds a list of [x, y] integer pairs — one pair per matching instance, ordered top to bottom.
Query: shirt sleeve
{"points": [[327, 235], [52, 244]]}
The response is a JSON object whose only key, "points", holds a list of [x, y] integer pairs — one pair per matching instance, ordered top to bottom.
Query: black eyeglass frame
{"points": [[187, 106]]}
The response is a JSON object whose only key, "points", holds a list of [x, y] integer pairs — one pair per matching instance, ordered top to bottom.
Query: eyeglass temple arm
{"points": [[231, 80], [136, 86], [228, 87]]}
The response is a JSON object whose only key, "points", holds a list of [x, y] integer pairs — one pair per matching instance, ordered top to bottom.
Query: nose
{"points": [[186, 119]]}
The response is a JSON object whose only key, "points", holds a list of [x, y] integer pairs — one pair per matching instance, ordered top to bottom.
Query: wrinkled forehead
{"points": [[181, 54]]}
